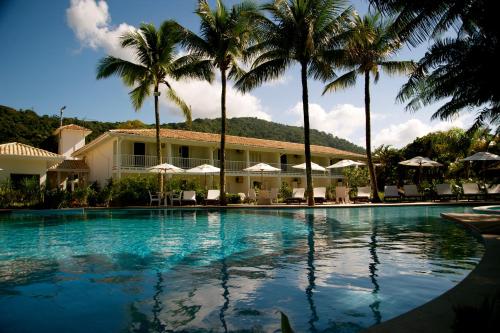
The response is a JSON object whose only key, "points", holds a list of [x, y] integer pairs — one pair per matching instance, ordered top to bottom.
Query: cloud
{"points": [[90, 21], [204, 99], [342, 120], [399, 135]]}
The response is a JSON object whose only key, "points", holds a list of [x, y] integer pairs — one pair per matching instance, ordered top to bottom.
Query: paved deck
{"points": [[483, 282]]}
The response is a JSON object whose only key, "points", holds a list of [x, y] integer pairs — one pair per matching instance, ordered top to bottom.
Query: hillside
{"points": [[28, 127]]}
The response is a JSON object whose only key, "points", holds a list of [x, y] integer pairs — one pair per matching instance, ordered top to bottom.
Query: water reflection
{"points": [[224, 271]]}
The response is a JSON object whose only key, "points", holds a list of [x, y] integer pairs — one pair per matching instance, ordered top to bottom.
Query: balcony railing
{"points": [[142, 162]]}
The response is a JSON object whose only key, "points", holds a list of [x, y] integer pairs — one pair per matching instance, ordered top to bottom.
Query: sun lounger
{"points": [[471, 190], [493, 191], [391, 192], [411, 192], [443, 192], [319, 194], [341, 194], [364, 194], [297, 196], [189, 197], [212, 197]]}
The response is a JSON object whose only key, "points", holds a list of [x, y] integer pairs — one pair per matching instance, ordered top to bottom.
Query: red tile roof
{"points": [[21, 149]]}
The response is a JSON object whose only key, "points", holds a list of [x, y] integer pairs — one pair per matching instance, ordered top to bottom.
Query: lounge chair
{"points": [[471, 190], [493, 191], [391, 192], [411, 192], [443, 192], [319, 194], [341, 194], [364, 194], [274, 195], [175, 196], [252, 196], [297, 196], [188, 197], [212, 197], [154, 198]]}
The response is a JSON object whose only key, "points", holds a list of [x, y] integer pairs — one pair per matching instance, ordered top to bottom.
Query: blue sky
{"points": [[51, 48]]}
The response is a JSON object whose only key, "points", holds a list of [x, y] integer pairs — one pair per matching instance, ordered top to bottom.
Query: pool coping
{"points": [[482, 282]]}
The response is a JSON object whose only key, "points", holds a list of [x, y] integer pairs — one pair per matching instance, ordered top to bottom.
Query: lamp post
{"points": [[61, 115]]}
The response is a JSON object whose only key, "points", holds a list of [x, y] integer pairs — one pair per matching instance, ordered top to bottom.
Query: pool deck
{"points": [[483, 282]]}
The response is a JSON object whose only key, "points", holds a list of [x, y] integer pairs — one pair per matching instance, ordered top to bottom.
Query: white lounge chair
{"points": [[471, 190], [493, 190], [443, 191], [391, 192], [411, 192], [364, 193], [319, 194], [341, 194], [297, 195], [252, 196], [189, 197], [212, 197], [154, 198]]}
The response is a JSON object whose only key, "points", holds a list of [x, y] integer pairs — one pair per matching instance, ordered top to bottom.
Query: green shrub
{"points": [[133, 190], [285, 191], [8, 194], [56, 198], [233, 198]]}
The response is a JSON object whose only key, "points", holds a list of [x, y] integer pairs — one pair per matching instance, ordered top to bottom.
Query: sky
{"points": [[51, 48]]}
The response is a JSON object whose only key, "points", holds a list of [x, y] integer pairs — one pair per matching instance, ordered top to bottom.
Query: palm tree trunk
{"points": [[158, 144], [307, 144], [373, 177], [222, 183]]}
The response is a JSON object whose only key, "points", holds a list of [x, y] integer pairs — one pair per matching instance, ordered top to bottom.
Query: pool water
{"points": [[328, 270]]}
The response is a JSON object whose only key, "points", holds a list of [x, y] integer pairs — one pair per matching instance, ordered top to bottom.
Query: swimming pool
{"points": [[329, 270]]}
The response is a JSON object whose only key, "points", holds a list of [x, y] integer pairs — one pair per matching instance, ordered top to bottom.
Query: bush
{"points": [[356, 177], [133, 190], [285, 191], [8, 194], [56, 198], [233, 198]]}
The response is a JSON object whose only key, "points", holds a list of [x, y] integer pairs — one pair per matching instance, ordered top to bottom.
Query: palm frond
{"points": [[128, 71], [344, 81], [186, 110]]}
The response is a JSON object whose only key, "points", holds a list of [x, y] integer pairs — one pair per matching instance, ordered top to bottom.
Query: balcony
{"points": [[139, 163]]}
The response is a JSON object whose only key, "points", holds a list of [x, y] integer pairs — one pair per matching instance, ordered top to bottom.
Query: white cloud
{"points": [[91, 23], [204, 99], [342, 120], [398, 135]]}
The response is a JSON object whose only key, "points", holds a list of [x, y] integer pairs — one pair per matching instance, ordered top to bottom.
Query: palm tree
{"points": [[297, 32], [224, 35], [371, 42], [155, 64]]}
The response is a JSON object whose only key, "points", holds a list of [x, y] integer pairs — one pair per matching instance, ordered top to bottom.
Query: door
{"points": [[139, 154], [284, 162]]}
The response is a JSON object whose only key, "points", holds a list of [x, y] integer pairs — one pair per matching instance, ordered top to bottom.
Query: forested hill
{"points": [[28, 127]]}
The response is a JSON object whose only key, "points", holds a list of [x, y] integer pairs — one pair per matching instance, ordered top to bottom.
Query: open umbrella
{"points": [[482, 156], [420, 162], [344, 163], [261, 167], [314, 167], [165, 168], [204, 169]]}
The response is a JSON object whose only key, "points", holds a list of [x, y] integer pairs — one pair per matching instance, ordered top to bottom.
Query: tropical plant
{"points": [[300, 32], [224, 35], [372, 41], [155, 64], [458, 68]]}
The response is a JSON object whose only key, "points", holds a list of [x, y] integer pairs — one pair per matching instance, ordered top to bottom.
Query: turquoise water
{"points": [[329, 270]]}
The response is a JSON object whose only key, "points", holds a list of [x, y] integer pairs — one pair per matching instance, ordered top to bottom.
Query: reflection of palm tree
{"points": [[373, 274], [224, 276], [311, 278], [158, 326]]}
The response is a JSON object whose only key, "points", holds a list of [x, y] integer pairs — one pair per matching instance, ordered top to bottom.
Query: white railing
{"points": [[142, 162]]}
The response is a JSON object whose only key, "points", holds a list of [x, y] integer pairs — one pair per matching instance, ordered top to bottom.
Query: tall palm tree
{"points": [[299, 32], [224, 35], [370, 44], [155, 64]]}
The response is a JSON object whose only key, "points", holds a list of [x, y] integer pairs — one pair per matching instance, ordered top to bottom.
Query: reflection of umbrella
{"points": [[482, 156], [420, 162], [344, 163], [261, 167], [314, 167], [204, 169]]}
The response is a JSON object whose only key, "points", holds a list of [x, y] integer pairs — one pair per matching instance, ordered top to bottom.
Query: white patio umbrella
{"points": [[482, 156], [420, 162], [344, 163], [261, 167], [314, 167], [165, 168], [204, 169]]}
